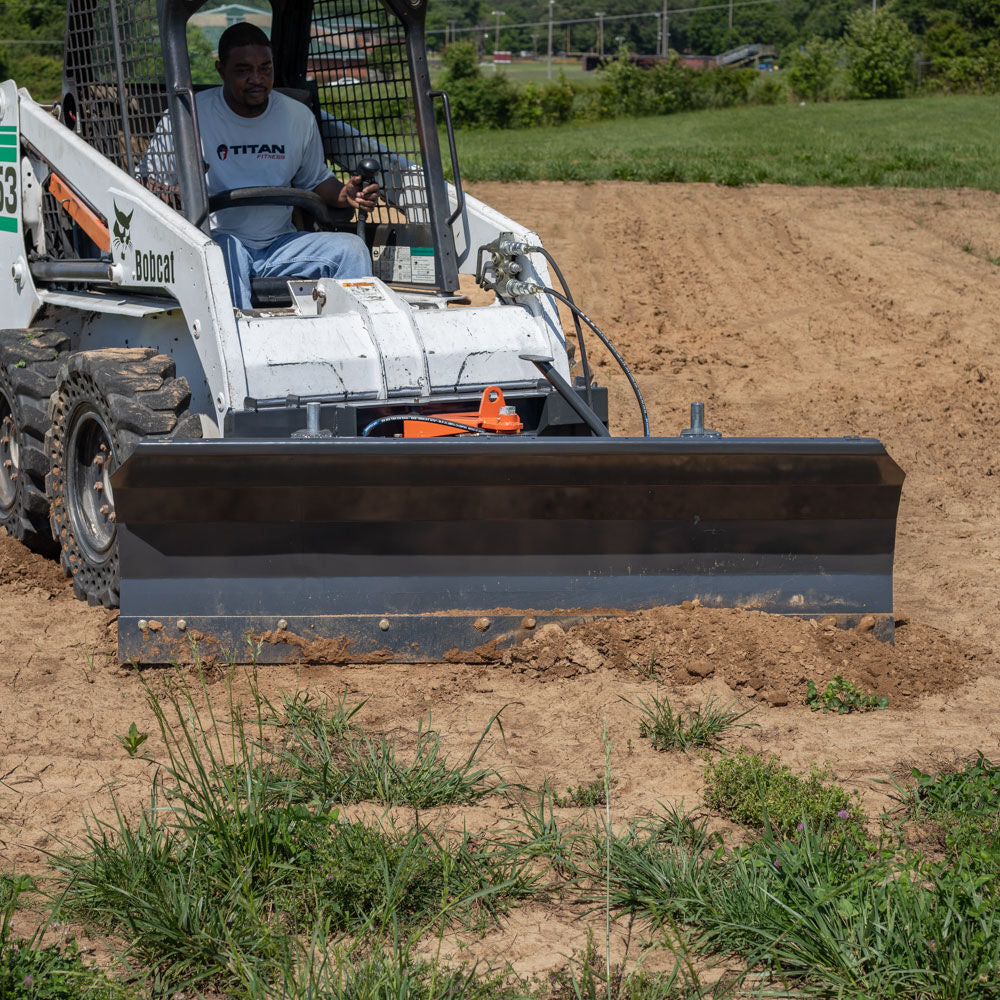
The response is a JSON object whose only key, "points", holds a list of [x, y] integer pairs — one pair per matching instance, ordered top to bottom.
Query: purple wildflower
{"points": [[844, 814], [801, 827], [29, 981]]}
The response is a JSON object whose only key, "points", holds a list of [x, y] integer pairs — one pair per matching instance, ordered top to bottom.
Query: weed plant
{"points": [[842, 697], [669, 730], [333, 760], [758, 793], [584, 796], [966, 805], [239, 849], [817, 915], [30, 970]]}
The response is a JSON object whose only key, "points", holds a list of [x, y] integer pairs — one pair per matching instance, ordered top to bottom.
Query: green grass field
{"points": [[921, 142]]}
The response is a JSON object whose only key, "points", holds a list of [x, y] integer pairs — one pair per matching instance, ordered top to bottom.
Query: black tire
{"points": [[29, 368], [106, 402]]}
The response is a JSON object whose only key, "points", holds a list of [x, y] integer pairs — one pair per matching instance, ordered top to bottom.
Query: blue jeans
{"points": [[294, 255]]}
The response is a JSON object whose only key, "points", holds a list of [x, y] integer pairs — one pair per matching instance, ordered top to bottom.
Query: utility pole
{"points": [[551, 3], [599, 14], [666, 29], [496, 41]]}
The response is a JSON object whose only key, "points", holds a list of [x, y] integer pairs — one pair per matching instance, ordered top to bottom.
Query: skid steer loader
{"points": [[371, 469]]}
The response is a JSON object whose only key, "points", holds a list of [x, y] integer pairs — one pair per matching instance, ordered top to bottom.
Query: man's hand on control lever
{"points": [[350, 194]]}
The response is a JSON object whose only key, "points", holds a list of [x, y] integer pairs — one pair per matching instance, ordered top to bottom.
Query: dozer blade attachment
{"points": [[388, 549]]}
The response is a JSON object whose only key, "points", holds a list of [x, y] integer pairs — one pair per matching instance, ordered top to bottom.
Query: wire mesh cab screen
{"points": [[350, 55], [358, 60], [114, 86]]}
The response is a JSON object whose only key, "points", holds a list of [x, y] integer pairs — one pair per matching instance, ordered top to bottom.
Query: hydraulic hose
{"points": [[611, 347], [584, 363], [396, 417]]}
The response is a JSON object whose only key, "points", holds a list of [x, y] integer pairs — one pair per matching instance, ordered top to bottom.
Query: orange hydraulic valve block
{"points": [[493, 415]]}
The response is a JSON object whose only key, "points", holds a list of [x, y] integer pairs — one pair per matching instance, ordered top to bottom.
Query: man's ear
{"points": [[218, 68]]}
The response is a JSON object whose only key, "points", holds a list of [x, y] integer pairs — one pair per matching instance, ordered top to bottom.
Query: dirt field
{"points": [[788, 312]]}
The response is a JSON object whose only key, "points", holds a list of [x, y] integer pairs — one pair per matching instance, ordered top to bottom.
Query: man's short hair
{"points": [[240, 34]]}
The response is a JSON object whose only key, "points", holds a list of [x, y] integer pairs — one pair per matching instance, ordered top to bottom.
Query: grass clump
{"points": [[842, 697], [670, 730], [335, 760], [758, 792], [593, 793], [965, 805], [241, 846], [813, 914], [31, 971]]}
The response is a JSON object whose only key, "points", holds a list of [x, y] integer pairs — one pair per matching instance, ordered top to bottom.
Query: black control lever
{"points": [[368, 170]]}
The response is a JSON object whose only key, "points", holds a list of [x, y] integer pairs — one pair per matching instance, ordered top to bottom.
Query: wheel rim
{"points": [[10, 456], [90, 462]]}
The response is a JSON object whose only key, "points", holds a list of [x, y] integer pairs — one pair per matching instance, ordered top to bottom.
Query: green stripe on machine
{"points": [[8, 154], [8, 224]]}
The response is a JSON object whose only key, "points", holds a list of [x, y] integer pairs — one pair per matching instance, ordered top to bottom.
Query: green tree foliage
{"points": [[31, 34], [880, 51], [201, 57], [812, 69], [477, 101]]}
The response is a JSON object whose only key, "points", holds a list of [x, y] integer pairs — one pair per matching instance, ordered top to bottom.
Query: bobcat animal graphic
{"points": [[122, 230]]}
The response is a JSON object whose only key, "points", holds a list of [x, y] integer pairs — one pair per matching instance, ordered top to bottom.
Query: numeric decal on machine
{"points": [[10, 180]]}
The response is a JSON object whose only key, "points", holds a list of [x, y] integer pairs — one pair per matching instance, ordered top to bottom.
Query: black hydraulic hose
{"points": [[614, 353], [584, 363], [396, 417]]}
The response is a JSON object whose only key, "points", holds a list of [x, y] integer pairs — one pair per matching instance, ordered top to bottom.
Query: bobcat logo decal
{"points": [[222, 152], [122, 230]]}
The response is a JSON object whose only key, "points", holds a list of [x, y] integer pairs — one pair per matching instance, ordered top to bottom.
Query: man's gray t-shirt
{"points": [[279, 148]]}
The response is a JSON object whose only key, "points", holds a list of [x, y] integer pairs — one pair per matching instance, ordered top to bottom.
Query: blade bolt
{"points": [[143, 624], [182, 624], [282, 624], [384, 624], [481, 624]]}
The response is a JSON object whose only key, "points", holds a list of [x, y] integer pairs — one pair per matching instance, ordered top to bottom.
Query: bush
{"points": [[880, 53], [812, 69], [979, 74], [671, 85], [722, 87], [768, 88], [477, 101], [551, 104], [759, 793]]}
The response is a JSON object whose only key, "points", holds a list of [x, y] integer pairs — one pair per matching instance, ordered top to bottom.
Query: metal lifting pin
{"points": [[697, 428]]}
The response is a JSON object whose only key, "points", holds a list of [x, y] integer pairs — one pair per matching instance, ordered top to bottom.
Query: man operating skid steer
{"points": [[252, 136]]}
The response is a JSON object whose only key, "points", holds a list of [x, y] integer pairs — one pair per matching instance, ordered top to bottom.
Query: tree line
{"points": [[946, 28]]}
